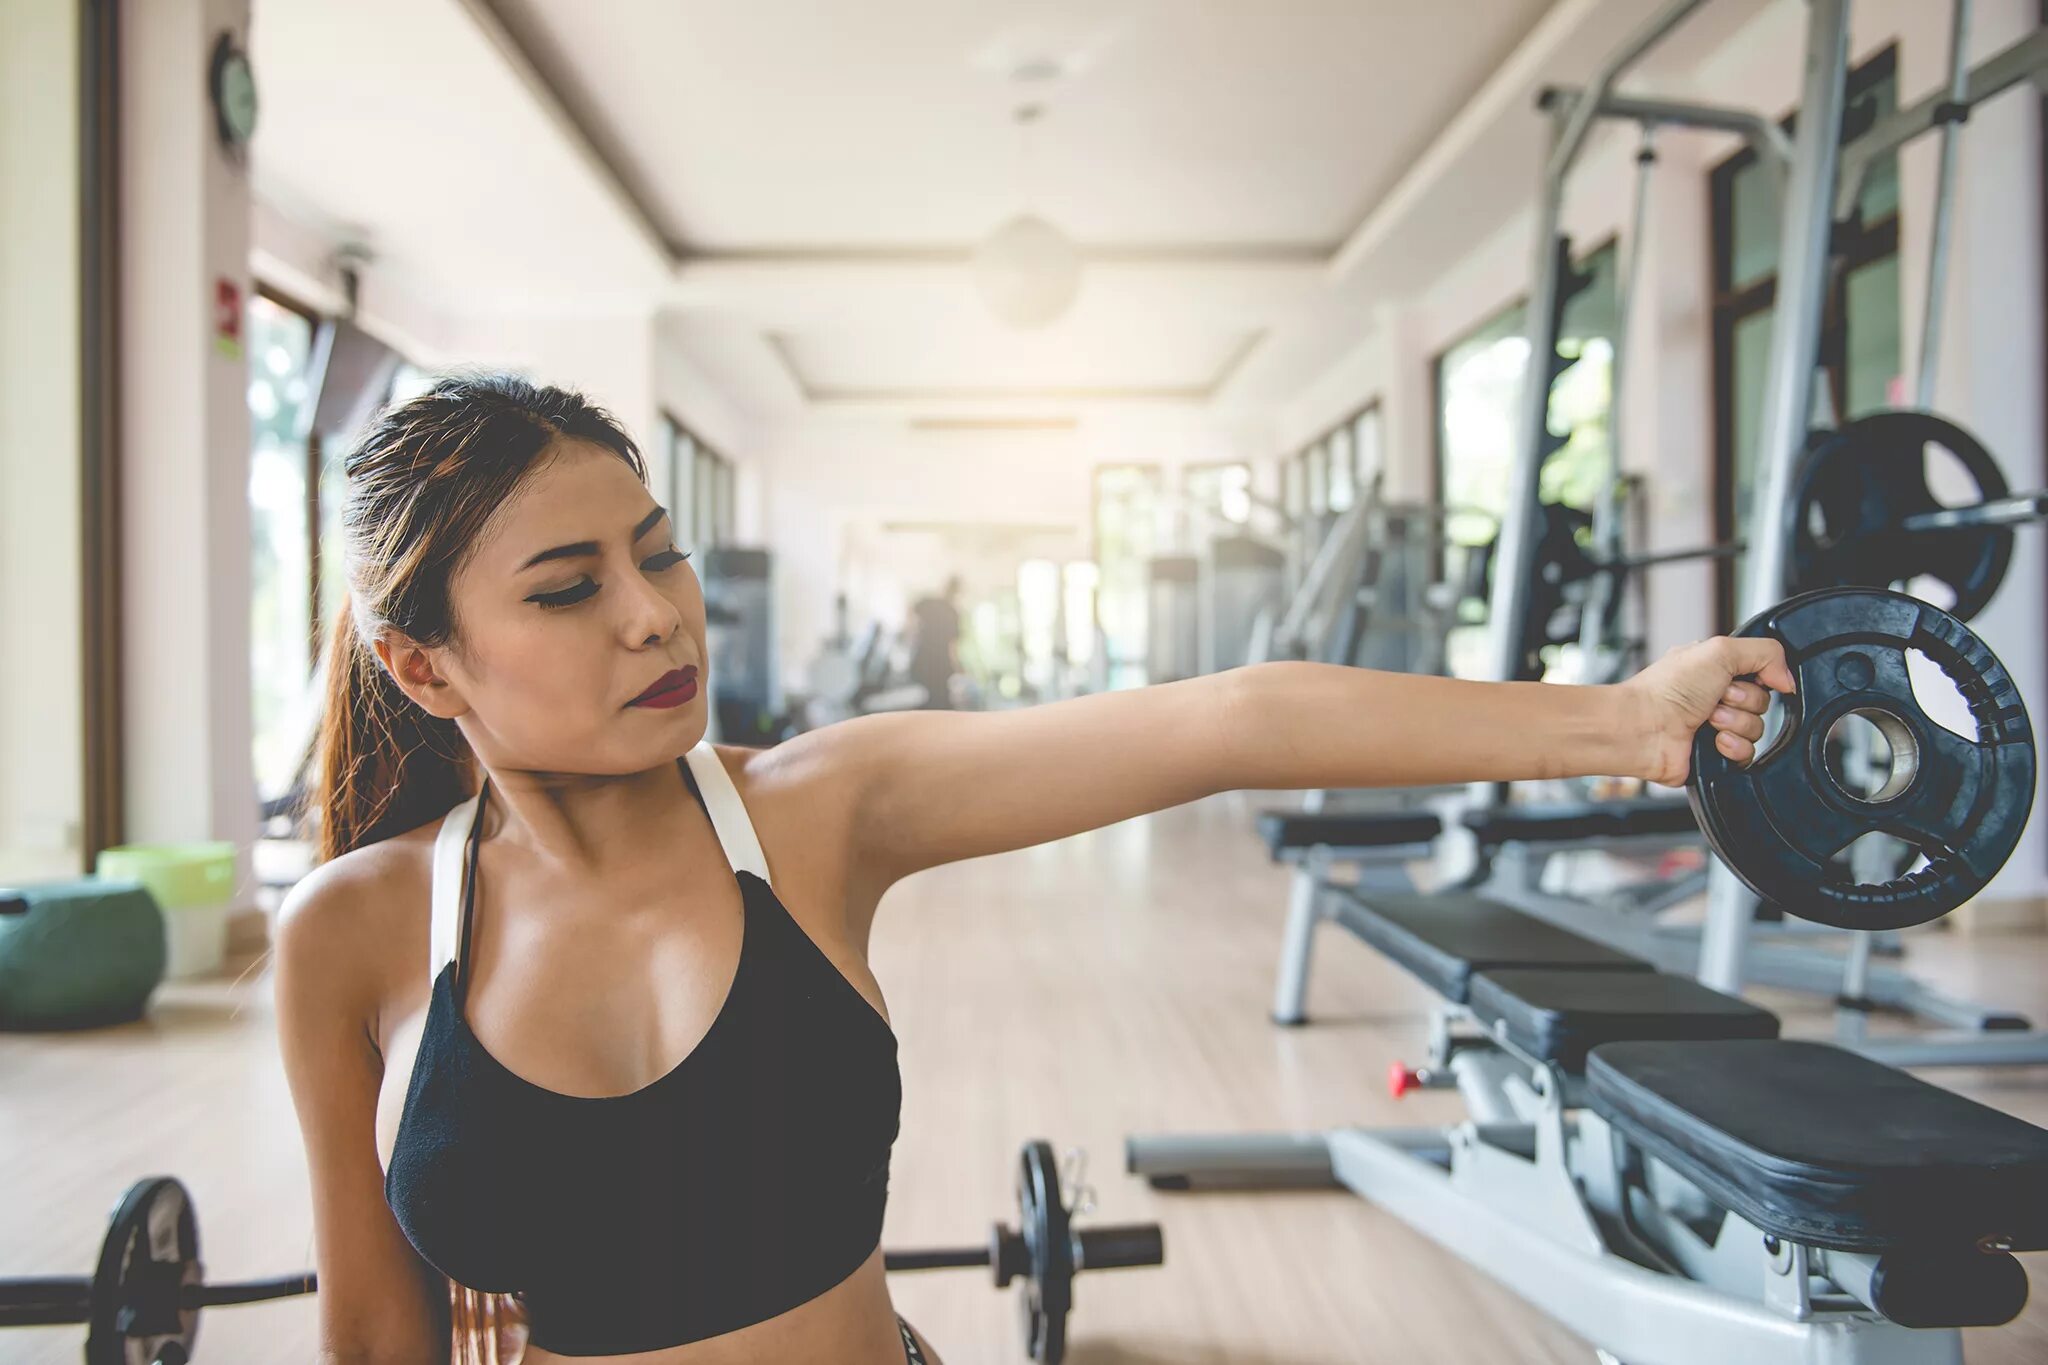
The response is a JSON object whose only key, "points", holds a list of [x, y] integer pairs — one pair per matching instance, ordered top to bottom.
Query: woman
{"points": [[576, 1009]]}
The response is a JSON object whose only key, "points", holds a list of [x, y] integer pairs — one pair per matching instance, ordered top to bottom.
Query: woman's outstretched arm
{"points": [[937, 787]]}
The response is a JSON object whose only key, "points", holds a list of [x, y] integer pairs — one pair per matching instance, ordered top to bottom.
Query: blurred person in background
{"points": [[935, 645]]}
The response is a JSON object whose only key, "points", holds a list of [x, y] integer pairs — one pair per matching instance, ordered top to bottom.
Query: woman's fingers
{"points": [[1758, 657], [1747, 696], [1746, 724], [1734, 746]]}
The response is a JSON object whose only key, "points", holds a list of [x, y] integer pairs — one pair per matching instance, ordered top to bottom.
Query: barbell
{"points": [[1862, 513], [142, 1303]]}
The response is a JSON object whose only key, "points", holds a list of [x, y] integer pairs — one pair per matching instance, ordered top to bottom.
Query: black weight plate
{"points": [[1855, 486], [1561, 564], [1961, 803], [150, 1254], [1049, 1292]]}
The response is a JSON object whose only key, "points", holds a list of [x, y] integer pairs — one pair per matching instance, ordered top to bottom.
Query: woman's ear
{"points": [[413, 667]]}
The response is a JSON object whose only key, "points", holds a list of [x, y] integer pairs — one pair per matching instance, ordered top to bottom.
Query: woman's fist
{"points": [[1704, 684]]}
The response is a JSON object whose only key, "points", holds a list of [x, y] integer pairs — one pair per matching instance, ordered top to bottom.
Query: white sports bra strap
{"points": [[728, 815], [450, 844]]}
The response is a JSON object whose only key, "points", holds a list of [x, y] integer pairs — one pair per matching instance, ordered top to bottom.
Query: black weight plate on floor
{"points": [[1854, 487], [1778, 822], [150, 1254], [1049, 1292]]}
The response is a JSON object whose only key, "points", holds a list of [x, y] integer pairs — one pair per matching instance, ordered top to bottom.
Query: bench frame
{"points": [[1974, 1034], [1548, 1199]]}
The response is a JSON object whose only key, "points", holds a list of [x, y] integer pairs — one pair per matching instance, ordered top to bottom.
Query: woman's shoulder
{"points": [[808, 770], [801, 793], [362, 916]]}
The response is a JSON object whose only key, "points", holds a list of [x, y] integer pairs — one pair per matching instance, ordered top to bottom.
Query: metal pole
{"points": [[2024, 60], [1602, 82], [1766, 137], [1944, 193], [1788, 399], [1514, 560], [1514, 563], [1604, 593]]}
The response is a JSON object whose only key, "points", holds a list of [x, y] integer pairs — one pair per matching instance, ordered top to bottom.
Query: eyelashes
{"points": [[581, 592]]}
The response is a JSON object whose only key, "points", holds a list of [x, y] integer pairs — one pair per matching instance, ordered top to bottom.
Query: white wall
{"points": [[184, 440], [42, 780]]}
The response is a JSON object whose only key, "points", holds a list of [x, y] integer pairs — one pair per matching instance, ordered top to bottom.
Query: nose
{"points": [[650, 617]]}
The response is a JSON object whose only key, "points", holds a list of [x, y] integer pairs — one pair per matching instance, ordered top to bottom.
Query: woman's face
{"points": [[576, 602]]}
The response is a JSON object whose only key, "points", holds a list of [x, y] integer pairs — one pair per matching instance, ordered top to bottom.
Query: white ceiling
{"points": [[781, 123], [431, 148], [794, 185]]}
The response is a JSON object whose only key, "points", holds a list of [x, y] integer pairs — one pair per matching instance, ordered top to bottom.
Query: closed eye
{"points": [[585, 590]]}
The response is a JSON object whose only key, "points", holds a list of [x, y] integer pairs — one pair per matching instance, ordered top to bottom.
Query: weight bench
{"points": [[1289, 833], [1517, 839], [1381, 843], [1445, 940], [1646, 1161]]}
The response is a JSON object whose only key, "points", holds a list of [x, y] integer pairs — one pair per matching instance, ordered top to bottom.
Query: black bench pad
{"points": [[1580, 820], [1288, 831], [1444, 938], [1556, 1015], [1822, 1146]]}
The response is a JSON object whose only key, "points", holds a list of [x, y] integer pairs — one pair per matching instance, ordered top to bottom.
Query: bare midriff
{"points": [[851, 1323]]}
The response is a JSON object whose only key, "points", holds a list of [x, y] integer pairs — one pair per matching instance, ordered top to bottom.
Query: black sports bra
{"points": [[748, 1180]]}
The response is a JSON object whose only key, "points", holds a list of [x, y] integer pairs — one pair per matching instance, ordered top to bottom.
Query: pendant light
{"points": [[1027, 270]]}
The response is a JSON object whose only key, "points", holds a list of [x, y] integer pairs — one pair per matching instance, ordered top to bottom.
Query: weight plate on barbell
{"points": [[1854, 488], [1550, 615], [1961, 803], [151, 1253], [1049, 1293]]}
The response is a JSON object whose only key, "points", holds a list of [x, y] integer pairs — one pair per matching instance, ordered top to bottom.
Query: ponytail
{"points": [[381, 763]]}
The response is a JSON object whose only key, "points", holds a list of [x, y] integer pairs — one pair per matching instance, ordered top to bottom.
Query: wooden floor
{"points": [[1109, 984]]}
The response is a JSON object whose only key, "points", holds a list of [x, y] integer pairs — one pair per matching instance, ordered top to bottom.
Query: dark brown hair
{"points": [[424, 484]]}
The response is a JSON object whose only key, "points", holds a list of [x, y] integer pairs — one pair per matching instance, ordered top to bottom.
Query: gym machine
{"points": [[1845, 506], [854, 675]]}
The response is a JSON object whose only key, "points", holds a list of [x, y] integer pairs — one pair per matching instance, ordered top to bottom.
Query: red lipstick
{"points": [[672, 688]]}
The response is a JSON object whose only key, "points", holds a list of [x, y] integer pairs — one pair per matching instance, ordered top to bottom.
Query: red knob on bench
{"points": [[1401, 1080]]}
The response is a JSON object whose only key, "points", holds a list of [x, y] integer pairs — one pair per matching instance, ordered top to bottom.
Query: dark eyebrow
{"points": [[589, 547]]}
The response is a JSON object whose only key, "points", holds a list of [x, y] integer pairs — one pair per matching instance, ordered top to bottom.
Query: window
{"points": [[1861, 350], [1479, 387], [682, 452], [1366, 457], [1335, 469], [1343, 477], [702, 492], [1293, 494], [704, 496], [1216, 500], [726, 501], [281, 516], [1126, 525], [1078, 581], [1038, 610]]}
